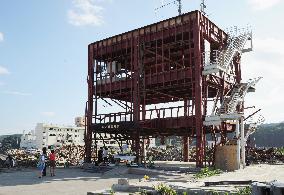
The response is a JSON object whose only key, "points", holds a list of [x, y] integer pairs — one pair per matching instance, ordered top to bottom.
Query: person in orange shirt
{"points": [[52, 162]]}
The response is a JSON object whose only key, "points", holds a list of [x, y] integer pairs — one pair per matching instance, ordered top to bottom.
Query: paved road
{"points": [[66, 182], [77, 182]]}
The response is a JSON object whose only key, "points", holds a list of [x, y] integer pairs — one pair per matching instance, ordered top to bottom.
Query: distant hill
{"points": [[13, 135], [270, 135], [9, 142]]}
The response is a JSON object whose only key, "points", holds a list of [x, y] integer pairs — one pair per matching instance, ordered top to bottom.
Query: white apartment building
{"points": [[80, 121], [56, 135], [28, 140]]}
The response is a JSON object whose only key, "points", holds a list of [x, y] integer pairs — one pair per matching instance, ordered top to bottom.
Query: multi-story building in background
{"points": [[80, 121], [56, 135], [28, 140]]}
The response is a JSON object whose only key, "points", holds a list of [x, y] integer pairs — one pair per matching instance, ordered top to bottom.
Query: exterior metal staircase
{"points": [[216, 60], [230, 103], [228, 108]]}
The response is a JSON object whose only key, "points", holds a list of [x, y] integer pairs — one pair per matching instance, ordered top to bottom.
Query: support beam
{"points": [[165, 58], [198, 94], [89, 133], [238, 143], [243, 143], [185, 148]]}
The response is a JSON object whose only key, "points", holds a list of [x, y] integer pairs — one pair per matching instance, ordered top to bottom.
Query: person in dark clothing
{"points": [[45, 155], [100, 155], [105, 155], [9, 161]]}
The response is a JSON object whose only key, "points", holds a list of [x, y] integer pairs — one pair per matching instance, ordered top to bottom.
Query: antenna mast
{"points": [[175, 1], [179, 7], [202, 7]]}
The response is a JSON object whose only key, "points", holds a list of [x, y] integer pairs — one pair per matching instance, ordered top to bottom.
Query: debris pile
{"points": [[168, 154], [70, 155], [265, 155], [65, 156], [24, 158]]}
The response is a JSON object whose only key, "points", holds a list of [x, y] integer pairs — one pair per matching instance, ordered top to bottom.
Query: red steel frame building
{"points": [[158, 63]]}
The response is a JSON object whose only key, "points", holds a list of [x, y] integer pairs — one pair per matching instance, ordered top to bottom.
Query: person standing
{"points": [[124, 149], [105, 154], [100, 155], [45, 158], [9, 161], [52, 163], [41, 165]]}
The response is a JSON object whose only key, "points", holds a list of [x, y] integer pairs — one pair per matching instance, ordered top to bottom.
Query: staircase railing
{"points": [[222, 59], [230, 103]]}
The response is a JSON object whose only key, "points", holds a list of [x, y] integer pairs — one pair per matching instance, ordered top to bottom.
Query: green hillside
{"points": [[270, 135]]}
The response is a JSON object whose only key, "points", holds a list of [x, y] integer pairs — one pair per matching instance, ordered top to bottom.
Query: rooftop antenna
{"points": [[173, 2], [179, 7], [202, 7]]}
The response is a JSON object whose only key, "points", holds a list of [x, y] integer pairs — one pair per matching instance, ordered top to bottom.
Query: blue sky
{"points": [[43, 52]]}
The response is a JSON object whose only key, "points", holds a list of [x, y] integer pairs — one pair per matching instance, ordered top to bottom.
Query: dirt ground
{"points": [[75, 181]]}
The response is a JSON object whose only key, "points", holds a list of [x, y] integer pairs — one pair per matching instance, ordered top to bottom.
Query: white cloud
{"points": [[263, 4], [85, 12], [1, 36], [269, 45], [267, 60], [4, 70], [16, 93], [48, 114]]}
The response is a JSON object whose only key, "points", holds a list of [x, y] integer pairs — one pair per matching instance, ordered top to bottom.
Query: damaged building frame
{"points": [[186, 59]]}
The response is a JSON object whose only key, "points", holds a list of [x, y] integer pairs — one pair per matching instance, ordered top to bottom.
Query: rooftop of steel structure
{"points": [[149, 28]]}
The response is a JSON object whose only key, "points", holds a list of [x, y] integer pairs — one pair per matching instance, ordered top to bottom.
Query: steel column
{"points": [[198, 93], [89, 133]]}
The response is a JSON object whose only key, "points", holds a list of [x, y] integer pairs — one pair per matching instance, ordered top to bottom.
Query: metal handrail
{"points": [[160, 114]]}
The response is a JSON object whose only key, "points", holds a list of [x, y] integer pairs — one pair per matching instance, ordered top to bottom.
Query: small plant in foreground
{"points": [[207, 172], [146, 177], [165, 190], [244, 191], [112, 192], [143, 192]]}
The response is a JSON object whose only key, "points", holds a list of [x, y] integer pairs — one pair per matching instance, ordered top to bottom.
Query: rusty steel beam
{"points": [[198, 95], [88, 137]]}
